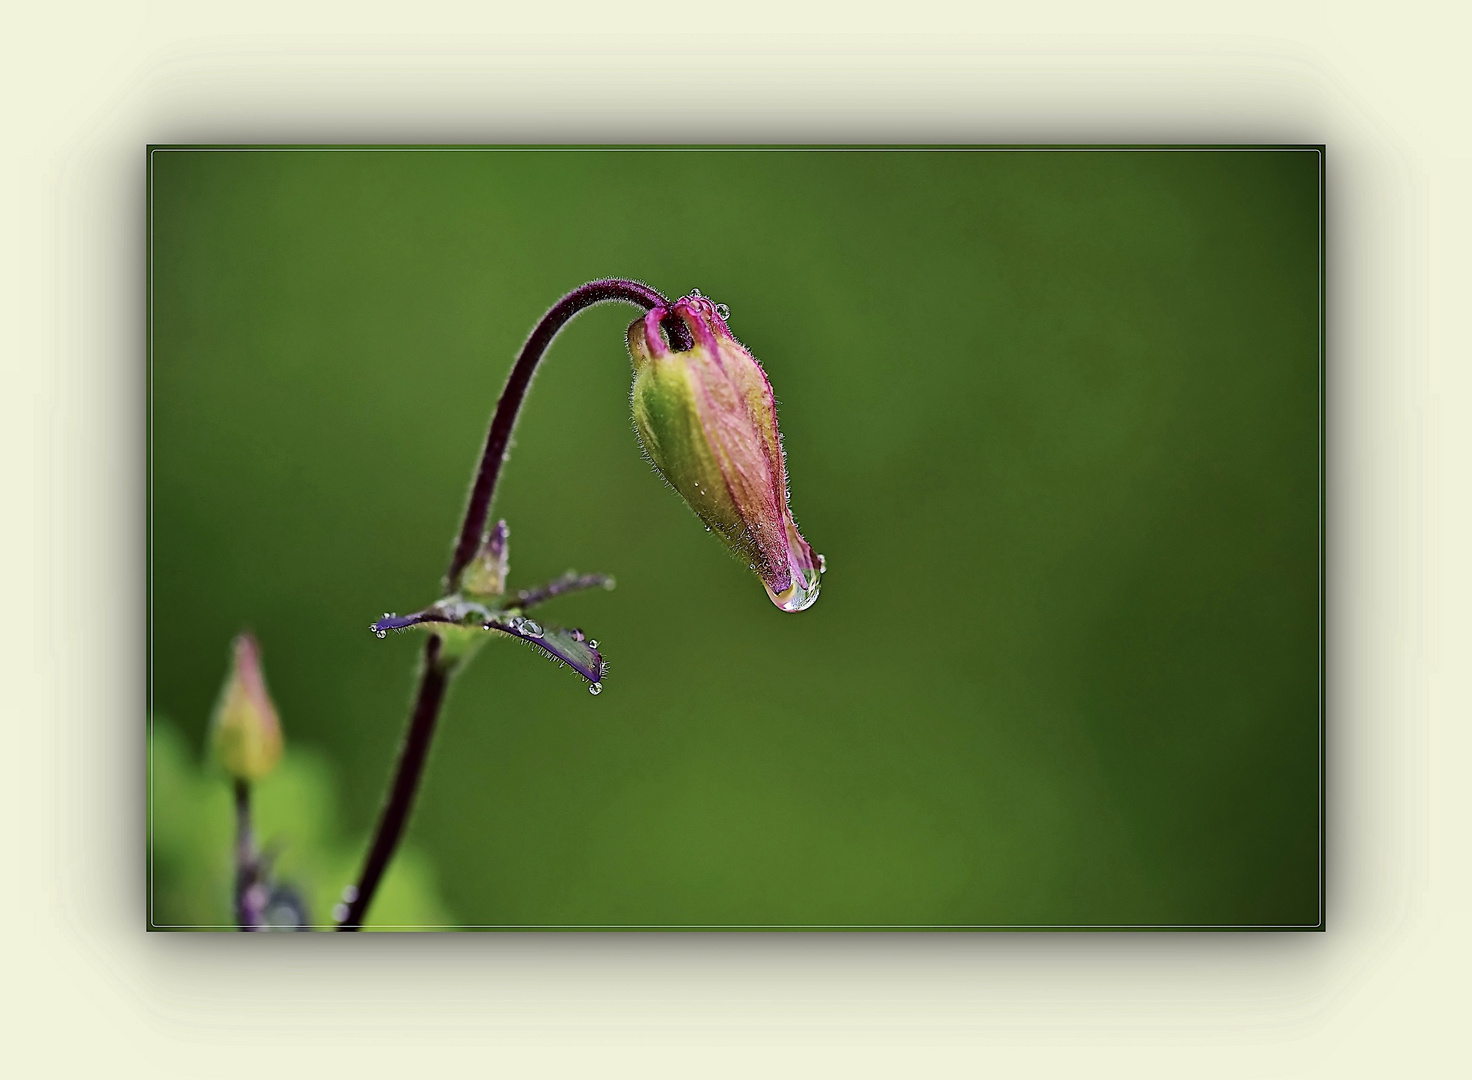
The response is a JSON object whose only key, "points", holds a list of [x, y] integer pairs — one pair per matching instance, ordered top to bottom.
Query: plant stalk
{"points": [[434, 676], [247, 862]]}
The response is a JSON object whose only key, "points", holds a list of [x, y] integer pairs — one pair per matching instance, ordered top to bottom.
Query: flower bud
{"points": [[708, 422], [485, 574], [245, 730]]}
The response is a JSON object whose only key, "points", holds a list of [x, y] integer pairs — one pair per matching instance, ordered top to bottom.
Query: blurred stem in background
{"points": [[438, 666], [247, 741], [250, 891]]}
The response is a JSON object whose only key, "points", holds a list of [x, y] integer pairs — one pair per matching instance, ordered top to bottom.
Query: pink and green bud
{"points": [[708, 422], [245, 729]]}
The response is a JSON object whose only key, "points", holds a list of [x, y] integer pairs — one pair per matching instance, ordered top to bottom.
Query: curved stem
{"points": [[507, 408], [434, 677]]}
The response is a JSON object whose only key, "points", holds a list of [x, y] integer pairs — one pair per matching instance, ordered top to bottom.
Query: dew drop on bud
{"points": [[694, 292], [723, 311], [822, 565], [800, 594], [531, 629], [381, 634], [593, 644], [595, 689]]}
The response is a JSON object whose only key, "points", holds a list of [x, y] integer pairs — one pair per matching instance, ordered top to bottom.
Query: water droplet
{"points": [[694, 292], [723, 311], [822, 565], [751, 566], [609, 583], [798, 596], [388, 614], [487, 626], [531, 629], [381, 633], [577, 635], [593, 643], [596, 689], [349, 894], [339, 912]]}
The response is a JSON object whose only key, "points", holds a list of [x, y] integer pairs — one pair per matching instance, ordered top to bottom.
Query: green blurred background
{"points": [[1052, 418]]}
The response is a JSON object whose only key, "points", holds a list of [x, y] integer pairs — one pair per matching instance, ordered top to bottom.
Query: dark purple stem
{"points": [[434, 678], [407, 774]]}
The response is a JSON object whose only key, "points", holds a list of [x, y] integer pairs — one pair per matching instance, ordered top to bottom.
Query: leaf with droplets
{"points": [[464, 617], [568, 647]]}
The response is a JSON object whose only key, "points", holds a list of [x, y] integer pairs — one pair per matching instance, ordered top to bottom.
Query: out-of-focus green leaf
{"points": [[296, 821]]}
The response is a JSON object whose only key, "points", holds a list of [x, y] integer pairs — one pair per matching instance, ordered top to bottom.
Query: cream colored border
{"points": [[1382, 993]]}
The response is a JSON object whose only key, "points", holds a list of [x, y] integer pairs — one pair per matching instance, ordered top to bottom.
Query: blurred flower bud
{"points": [[708, 421], [246, 732]]}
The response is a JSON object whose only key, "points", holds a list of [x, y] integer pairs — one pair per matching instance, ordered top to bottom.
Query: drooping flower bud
{"points": [[708, 421], [245, 730]]}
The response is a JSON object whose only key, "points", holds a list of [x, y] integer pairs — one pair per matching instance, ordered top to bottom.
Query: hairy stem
{"points": [[484, 489], [434, 676]]}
